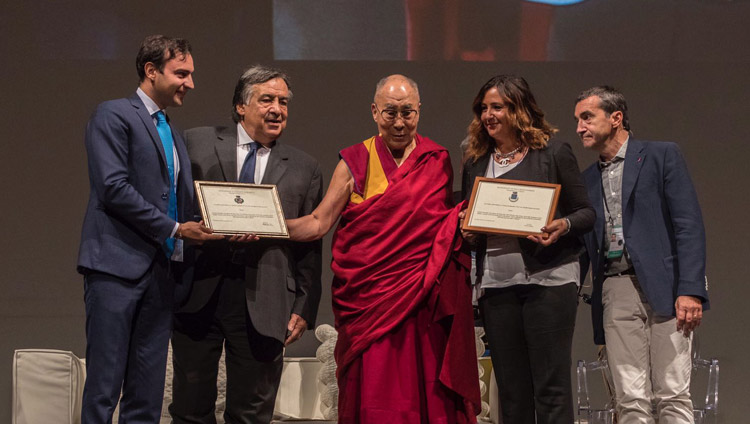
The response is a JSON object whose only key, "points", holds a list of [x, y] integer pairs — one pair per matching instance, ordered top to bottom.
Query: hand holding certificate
{"points": [[238, 208], [519, 208]]}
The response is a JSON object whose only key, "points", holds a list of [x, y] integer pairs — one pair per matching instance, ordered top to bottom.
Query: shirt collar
{"points": [[150, 104], [244, 138], [618, 157]]}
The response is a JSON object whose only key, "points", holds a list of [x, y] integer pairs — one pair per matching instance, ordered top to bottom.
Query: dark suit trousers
{"points": [[530, 333], [127, 334], [253, 362]]}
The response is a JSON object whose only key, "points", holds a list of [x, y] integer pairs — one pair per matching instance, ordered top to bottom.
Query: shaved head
{"points": [[395, 82], [395, 110]]}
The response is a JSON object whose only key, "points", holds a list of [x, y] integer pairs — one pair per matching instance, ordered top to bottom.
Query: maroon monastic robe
{"points": [[401, 299]]}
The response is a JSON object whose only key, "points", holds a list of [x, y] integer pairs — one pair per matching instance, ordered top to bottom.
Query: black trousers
{"points": [[530, 333], [253, 362]]}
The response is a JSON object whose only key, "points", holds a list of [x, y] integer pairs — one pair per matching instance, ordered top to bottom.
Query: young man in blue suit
{"points": [[132, 239], [648, 260]]}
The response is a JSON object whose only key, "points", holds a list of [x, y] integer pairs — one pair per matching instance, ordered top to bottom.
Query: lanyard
{"points": [[604, 195]]}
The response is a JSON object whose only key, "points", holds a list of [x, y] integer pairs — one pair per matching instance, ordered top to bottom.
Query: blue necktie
{"points": [[165, 133], [248, 168]]}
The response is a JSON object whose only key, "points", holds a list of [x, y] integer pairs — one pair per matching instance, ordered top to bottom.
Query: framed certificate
{"points": [[239, 208], [518, 208]]}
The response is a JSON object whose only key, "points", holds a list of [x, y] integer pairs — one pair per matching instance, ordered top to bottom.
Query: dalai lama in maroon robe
{"points": [[402, 304]]}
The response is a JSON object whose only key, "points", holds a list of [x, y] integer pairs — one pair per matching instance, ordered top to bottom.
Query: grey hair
{"points": [[257, 74], [413, 84], [610, 101]]}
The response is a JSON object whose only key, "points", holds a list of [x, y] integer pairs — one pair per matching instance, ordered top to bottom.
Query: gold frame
{"points": [[199, 191], [508, 231]]}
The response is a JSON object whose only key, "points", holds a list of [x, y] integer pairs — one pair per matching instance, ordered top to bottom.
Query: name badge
{"points": [[616, 243]]}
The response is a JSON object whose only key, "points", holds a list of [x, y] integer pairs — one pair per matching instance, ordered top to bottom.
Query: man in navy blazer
{"points": [[132, 238], [648, 259]]}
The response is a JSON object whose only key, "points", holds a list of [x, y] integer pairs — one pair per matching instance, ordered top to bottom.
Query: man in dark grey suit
{"points": [[250, 298]]}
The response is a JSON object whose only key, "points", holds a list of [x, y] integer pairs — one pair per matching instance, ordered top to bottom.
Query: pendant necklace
{"points": [[503, 159]]}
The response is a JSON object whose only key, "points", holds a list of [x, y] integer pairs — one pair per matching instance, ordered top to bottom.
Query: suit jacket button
{"points": [[164, 196]]}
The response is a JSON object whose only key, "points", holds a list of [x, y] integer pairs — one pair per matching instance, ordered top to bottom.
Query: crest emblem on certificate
{"points": [[513, 197], [239, 200]]}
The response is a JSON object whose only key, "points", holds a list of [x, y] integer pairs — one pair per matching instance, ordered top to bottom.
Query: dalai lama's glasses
{"points": [[390, 115]]}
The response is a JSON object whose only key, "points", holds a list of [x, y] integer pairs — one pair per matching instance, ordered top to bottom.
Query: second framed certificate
{"points": [[512, 207], [238, 208]]}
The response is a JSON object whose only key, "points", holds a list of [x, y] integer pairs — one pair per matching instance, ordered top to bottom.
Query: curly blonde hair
{"points": [[525, 116]]}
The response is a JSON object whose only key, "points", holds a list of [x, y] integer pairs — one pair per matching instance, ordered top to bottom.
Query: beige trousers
{"points": [[650, 360]]}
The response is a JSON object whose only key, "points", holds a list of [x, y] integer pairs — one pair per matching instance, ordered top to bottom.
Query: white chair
{"points": [[47, 387]]}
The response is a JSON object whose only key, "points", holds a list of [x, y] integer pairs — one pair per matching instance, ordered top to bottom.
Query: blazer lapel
{"points": [[148, 122], [226, 151], [182, 155], [634, 158], [277, 164], [480, 168]]}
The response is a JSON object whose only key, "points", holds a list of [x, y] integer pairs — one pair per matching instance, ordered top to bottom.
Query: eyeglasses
{"points": [[391, 114]]}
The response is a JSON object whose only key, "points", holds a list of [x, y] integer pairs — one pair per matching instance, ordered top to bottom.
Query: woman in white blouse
{"points": [[527, 287]]}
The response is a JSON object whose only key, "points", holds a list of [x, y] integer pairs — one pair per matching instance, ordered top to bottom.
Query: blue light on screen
{"points": [[556, 2]]}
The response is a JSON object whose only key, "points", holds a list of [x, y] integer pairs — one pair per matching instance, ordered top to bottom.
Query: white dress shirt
{"points": [[243, 148]]}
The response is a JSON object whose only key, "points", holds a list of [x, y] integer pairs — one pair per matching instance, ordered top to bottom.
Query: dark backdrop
{"points": [[60, 59]]}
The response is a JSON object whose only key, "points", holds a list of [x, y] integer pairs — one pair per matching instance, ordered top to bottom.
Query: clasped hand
{"points": [[197, 233], [550, 233]]}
